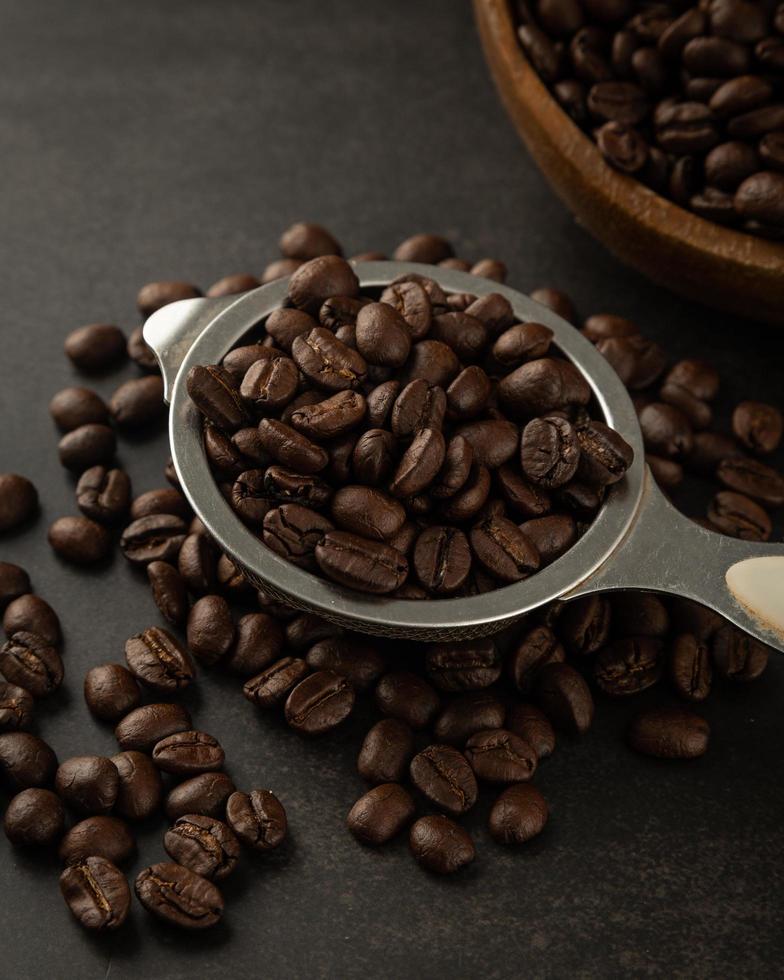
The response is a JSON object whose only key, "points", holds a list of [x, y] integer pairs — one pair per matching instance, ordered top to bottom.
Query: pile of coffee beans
{"points": [[688, 98], [360, 436], [450, 722]]}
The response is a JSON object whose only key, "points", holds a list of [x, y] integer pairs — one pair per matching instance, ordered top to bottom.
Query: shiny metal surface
{"points": [[638, 540]]}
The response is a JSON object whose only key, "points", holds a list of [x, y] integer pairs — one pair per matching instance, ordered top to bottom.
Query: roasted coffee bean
{"points": [[621, 102], [623, 147], [729, 164], [759, 198], [305, 241], [430, 249], [319, 279], [231, 285], [155, 295], [412, 302], [339, 313], [603, 326], [465, 334], [383, 336], [522, 342], [95, 347], [140, 351], [637, 360], [239, 361], [433, 361], [327, 362], [542, 386], [213, 390], [468, 395], [138, 402], [420, 405], [74, 407], [330, 418], [758, 426], [666, 430], [494, 442], [247, 443], [84, 447], [290, 448], [708, 450], [550, 451], [374, 456], [605, 456], [420, 463], [455, 470], [667, 473], [752, 478], [104, 495], [248, 498], [470, 498], [525, 498], [163, 500], [367, 512], [739, 516], [295, 532], [552, 536], [154, 538], [79, 540], [503, 549], [442, 559], [359, 563], [231, 579], [14, 583], [168, 591], [31, 614], [639, 614], [584, 624], [308, 628], [210, 629], [259, 641], [537, 647], [736, 655], [348, 656], [156, 658], [32, 662], [629, 665], [467, 666], [690, 667], [273, 684], [110, 692], [407, 697], [564, 697], [320, 702], [16, 707], [468, 714], [143, 727], [533, 727], [669, 733], [386, 751], [188, 753], [500, 756], [26, 760], [444, 777], [88, 783], [140, 788], [206, 794], [381, 814], [518, 815], [34, 818], [257, 818], [99, 836], [204, 845], [440, 845], [97, 894], [179, 897]]}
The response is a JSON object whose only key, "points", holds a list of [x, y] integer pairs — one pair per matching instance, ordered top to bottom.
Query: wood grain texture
{"points": [[717, 266]]}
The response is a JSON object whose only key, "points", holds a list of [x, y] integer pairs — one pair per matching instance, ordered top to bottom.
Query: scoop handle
{"points": [[172, 331], [663, 551]]}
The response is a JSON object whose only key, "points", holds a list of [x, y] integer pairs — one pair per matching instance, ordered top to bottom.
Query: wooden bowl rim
{"points": [[624, 193]]}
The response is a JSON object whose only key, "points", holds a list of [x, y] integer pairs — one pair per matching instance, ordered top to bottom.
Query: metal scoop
{"points": [[637, 541]]}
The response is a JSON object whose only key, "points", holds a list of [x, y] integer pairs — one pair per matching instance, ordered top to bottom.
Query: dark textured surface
{"points": [[149, 139]]}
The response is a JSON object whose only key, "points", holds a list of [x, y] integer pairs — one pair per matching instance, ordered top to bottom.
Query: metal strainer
{"points": [[637, 541]]}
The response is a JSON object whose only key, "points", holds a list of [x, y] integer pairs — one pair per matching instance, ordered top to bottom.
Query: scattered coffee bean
{"points": [[155, 295], [95, 347], [138, 402], [74, 407], [89, 445], [103, 495], [18, 500], [154, 538], [79, 540], [168, 591], [32, 614], [210, 629], [736, 655], [156, 659], [32, 662], [359, 662], [629, 665], [467, 666], [111, 692], [407, 697], [564, 697], [319, 703], [16, 707], [143, 727], [669, 733], [188, 753], [500, 756], [443, 776], [88, 783], [140, 788], [206, 794], [381, 814], [519, 814], [34, 818], [258, 819], [98, 836], [204, 845], [440, 845], [97, 894], [179, 897]]}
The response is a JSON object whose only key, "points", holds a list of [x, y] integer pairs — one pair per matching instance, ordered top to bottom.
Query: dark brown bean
{"points": [[273, 684], [564, 697], [143, 727], [669, 733], [444, 777], [381, 814], [519, 814], [258, 819], [178, 896]]}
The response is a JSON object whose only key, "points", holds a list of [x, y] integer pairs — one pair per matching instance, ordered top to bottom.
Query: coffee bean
{"points": [[623, 147], [304, 240], [279, 269], [318, 279], [232, 285], [154, 295], [465, 334], [383, 336], [95, 347], [140, 352], [637, 360], [269, 384], [542, 386], [214, 392], [468, 394], [138, 403], [420, 405], [74, 407], [330, 418], [758, 426], [666, 430], [494, 442], [290, 448], [550, 451], [605, 456], [373, 457], [752, 478], [104, 495], [18, 500], [163, 500], [367, 512], [739, 516], [294, 532], [154, 538], [79, 540], [503, 549], [360, 563], [197, 564], [14, 583], [168, 591], [31, 614], [639, 614], [584, 624], [210, 629], [259, 641], [537, 647], [736, 656], [156, 659], [32, 662], [359, 662], [629, 665], [467, 666], [690, 667], [273, 684], [110, 692], [564, 697], [408, 698], [319, 703], [16, 707], [468, 714], [143, 727], [533, 727], [669, 733], [386, 752], [188, 753], [500, 756], [26, 760], [445, 778], [88, 783], [140, 787], [206, 794], [381, 814], [519, 814], [34, 818], [258, 819], [98, 836], [204, 845], [440, 845], [97, 894], [179, 897]]}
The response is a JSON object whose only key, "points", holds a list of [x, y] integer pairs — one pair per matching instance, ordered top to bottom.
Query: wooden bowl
{"points": [[726, 269]]}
